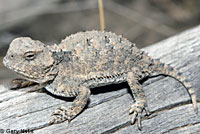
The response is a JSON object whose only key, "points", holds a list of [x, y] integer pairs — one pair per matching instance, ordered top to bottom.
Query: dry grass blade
{"points": [[101, 14]]}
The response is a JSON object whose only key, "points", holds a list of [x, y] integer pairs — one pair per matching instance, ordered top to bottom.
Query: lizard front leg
{"points": [[20, 83], [140, 99], [62, 114]]}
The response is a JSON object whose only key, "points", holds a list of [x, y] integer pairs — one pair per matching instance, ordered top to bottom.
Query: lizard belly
{"points": [[105, 80], [52, 90]]}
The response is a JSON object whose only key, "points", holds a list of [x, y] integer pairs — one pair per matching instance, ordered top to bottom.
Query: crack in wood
{"points": [[180, 127]]}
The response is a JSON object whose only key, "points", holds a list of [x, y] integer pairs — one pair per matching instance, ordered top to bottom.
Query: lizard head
{"points": [[31, 59]]}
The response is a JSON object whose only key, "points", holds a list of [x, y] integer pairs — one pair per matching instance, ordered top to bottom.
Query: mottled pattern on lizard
{"points": [[83, 61]]}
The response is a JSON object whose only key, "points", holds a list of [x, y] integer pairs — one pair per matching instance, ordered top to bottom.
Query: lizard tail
{"points": [[171, 72]]}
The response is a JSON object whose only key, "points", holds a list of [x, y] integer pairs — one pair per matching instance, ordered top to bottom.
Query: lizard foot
{"points": [[137, 109], [60, 115]]}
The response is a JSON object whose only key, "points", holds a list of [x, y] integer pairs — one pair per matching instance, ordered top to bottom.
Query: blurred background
{"points": [[141, 21]]}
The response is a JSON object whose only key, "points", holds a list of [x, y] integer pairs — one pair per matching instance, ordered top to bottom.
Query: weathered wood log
{"points": [[107, 111]]}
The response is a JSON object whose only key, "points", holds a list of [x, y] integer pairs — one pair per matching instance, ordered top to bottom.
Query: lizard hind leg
{"points": [[160, 68], [140, 99]]}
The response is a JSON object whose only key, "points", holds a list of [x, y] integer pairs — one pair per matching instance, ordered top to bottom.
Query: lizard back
{"points": [[104, 52]]}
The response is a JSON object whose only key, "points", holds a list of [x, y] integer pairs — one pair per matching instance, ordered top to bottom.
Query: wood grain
{"points": [[107, 111]]}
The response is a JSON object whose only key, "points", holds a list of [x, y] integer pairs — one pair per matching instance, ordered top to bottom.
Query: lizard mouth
{"points": [[19, 71], [44, 75]]}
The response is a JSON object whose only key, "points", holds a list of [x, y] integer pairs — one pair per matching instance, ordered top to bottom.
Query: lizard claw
{"points": [[137, 109]]}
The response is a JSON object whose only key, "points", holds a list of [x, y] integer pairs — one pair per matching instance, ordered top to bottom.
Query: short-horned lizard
{"points": [[83, 61]]}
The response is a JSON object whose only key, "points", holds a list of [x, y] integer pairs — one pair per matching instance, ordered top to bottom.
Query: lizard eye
{"points": [[29, 55]]}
